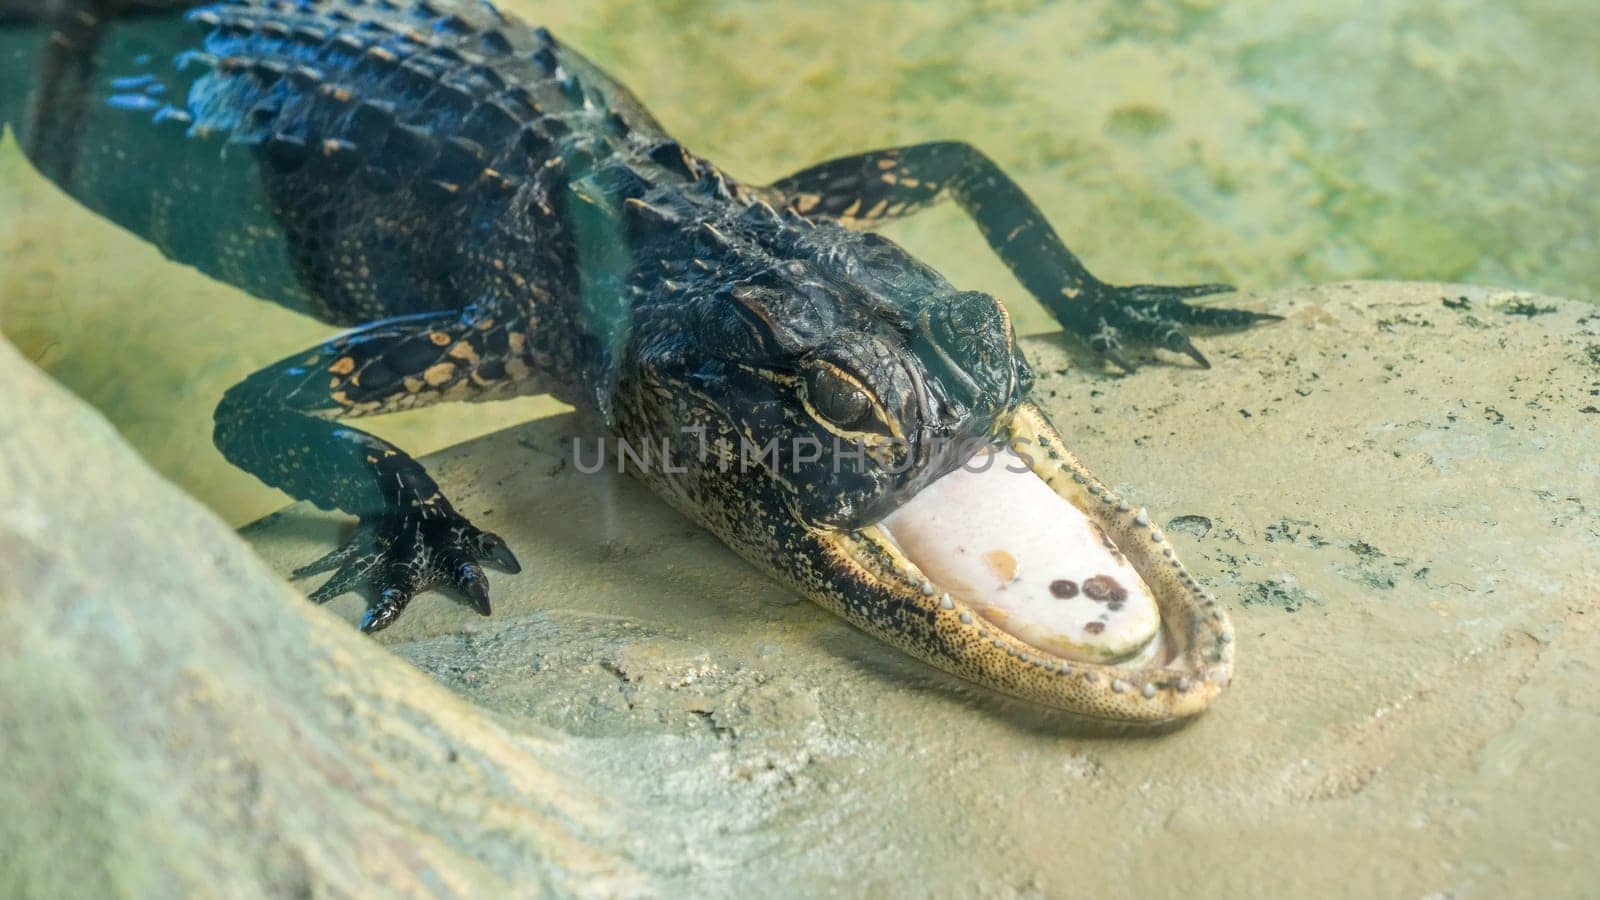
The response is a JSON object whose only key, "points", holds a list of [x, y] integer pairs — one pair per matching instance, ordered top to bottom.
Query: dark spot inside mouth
{"points": [[1063, 588], [1104, 589], [1094, 627]]}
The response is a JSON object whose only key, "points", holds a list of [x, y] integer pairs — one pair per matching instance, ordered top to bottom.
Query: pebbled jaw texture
{"points": [[925, 619]]}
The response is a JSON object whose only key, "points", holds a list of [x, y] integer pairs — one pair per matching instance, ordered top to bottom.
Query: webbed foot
{"points": [[1112, 319], [394, 555]]}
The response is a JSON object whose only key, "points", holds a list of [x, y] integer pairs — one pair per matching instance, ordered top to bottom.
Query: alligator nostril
{"points": [[971, 342]]}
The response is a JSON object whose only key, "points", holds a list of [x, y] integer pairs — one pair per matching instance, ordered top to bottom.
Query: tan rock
{"points": [[1395, 492], [177, 722]]}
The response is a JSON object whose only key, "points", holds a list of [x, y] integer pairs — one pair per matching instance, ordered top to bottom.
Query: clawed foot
{"points": [[1113, 318], [395, 555]]}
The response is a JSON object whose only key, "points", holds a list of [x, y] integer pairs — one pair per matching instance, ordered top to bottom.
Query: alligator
{"points": [[489, 214]]}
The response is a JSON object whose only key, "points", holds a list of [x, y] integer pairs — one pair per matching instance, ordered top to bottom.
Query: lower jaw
{"points": [[1177, 675]]}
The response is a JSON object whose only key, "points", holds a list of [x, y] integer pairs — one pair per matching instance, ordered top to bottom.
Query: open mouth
{"points": [[1042, 583]]}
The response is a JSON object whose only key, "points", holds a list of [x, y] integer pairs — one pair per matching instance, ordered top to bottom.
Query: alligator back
{"points": [[347, 159]]}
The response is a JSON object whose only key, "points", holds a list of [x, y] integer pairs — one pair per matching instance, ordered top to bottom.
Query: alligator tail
{"points": [[51, 52]]}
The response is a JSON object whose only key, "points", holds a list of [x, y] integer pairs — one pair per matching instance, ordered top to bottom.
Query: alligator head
{"points": [[794, 407]]}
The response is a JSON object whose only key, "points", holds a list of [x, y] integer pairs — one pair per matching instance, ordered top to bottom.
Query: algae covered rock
{"points": [[1395, 493], [176, 721]]}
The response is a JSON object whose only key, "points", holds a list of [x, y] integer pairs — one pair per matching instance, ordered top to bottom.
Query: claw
{"points": [[1159, 292], [1144, 315], [1219, 317], [1179, 342], [1106, 344], [1118, 360], [493, 550], [399, 555], [329, 562], [470, 579], [345, 580], [330, 589], [380, 615]]}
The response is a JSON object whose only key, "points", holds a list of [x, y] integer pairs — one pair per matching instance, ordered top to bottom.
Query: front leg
{"points": [[873, 187], [278, 424]]}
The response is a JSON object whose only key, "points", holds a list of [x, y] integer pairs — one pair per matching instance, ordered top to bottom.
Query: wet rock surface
{"points": [[1395, 493], [175, 721]]}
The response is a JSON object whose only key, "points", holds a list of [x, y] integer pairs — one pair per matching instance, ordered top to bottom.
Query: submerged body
{"points": [[495, 216]]}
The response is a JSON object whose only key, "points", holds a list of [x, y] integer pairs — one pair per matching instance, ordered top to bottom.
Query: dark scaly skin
{"points": [[492, 215]]}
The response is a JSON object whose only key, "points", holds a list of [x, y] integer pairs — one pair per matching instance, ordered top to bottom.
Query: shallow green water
{"points": [[1170, 140]]}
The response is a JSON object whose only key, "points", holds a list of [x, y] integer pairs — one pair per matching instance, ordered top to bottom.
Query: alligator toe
{"points": [[393, 556]]}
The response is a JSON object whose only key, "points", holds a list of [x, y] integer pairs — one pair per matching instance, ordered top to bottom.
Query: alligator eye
{"points": [[837, 397]]}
